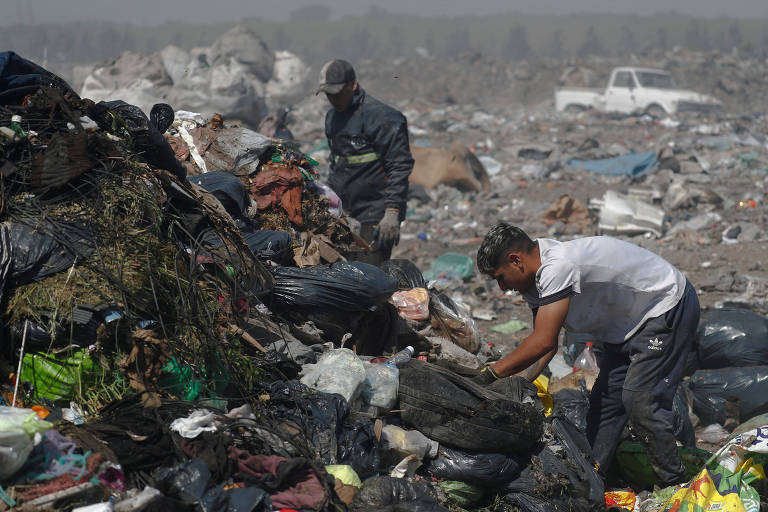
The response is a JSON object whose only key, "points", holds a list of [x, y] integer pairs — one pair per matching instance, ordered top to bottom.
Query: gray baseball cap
{"points": [[335, 75]]}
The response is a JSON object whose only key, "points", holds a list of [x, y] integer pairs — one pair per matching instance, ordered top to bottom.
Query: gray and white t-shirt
{"points": [[614, 286]]}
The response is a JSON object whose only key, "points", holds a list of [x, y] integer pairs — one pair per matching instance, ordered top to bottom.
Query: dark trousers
{"points": [[378, 254], [637, 382]]}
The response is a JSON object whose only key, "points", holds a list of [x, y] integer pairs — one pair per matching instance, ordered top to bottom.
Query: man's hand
{"points": [[389, 228], [542, 342], [485, 377]]}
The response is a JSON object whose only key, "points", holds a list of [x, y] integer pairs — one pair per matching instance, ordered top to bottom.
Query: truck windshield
{"points": [[657, 80]]}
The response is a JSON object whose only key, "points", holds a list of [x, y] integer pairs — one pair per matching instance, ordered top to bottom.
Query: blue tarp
{"points": [[631, 164]]}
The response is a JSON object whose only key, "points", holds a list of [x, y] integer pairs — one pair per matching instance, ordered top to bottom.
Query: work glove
{"points": [[389, 228], [485, 377]]}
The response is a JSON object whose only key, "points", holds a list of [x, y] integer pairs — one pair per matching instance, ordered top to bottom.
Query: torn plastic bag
{"points": [[228, 189], [41, 249], [406, 273], [347, 287], [454, 320], [732, 337], [710, 389], [458, 412], [321, 419], [483, 469], [560, 477], [387, 494]]}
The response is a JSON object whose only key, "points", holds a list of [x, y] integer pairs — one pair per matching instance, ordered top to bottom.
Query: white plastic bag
{"points": [[338, 371], [19, 433]]}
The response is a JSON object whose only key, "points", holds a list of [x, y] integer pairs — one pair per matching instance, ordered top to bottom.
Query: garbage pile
{"points": [[238, 76], [175, 289]]}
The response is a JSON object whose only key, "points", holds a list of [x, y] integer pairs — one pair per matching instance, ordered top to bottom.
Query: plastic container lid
{"points": [[590, 344]]}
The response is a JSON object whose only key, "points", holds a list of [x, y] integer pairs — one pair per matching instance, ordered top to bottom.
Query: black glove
{"points": [[485, 377]]}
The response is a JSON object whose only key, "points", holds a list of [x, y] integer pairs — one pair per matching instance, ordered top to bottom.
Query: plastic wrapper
{"points": [[405, 272], [348, 287], [412, 304], [454, 320], [732, 337], [338, 371], [380, 387], [711, 389], [18, 429], [409, 441], [483, 469]]}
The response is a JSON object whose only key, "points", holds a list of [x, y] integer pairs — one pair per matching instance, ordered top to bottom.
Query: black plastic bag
{"points": [[20, 77], [147, 140], [228, 189], [269, 245], [41, 249], [405, 272], [348, 287], [732, 337], [710, 389], [573, 405], [460, 413], [322, 418], [684, 431], [358, 447], [481, 469], [561, 476], [190, 483], [387, 494]]}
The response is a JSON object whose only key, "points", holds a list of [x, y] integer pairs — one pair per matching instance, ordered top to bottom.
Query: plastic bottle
{"points": [[401, 357], [586, 360]]}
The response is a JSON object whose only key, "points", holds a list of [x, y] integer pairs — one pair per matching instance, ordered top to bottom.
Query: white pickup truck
{"points": [[631, 90]]}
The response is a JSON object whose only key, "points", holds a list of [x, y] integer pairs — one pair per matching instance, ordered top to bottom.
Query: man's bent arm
{"points": [[542, 342], [535, 369]]}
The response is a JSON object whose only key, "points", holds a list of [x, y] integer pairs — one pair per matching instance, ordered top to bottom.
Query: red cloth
{"points": [[279, 185], [291, 483]]}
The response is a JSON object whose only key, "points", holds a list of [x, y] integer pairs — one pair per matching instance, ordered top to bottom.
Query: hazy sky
{"points": [[202, 11]]}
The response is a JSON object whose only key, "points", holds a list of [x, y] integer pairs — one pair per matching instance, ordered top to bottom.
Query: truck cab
{"points": [[631, 89]]}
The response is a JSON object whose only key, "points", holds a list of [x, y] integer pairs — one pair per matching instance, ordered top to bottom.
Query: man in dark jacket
{"points": [[370, 158]]}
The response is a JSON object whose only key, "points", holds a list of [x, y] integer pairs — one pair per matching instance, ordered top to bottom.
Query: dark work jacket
{"points": [[370, 157]]}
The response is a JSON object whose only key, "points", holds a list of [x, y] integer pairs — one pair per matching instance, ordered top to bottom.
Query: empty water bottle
{"points": [[401, 357], [587, 359]]}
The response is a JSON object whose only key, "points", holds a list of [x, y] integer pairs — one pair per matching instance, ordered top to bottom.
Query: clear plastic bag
{"points": [[412, 304], [453, 320], [338, 371], [381, 384], [18, 429], [409, 441]]}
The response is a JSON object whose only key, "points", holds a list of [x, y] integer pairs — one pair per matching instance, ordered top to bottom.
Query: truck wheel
{"points": [[574, 109], [656, 111]]}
